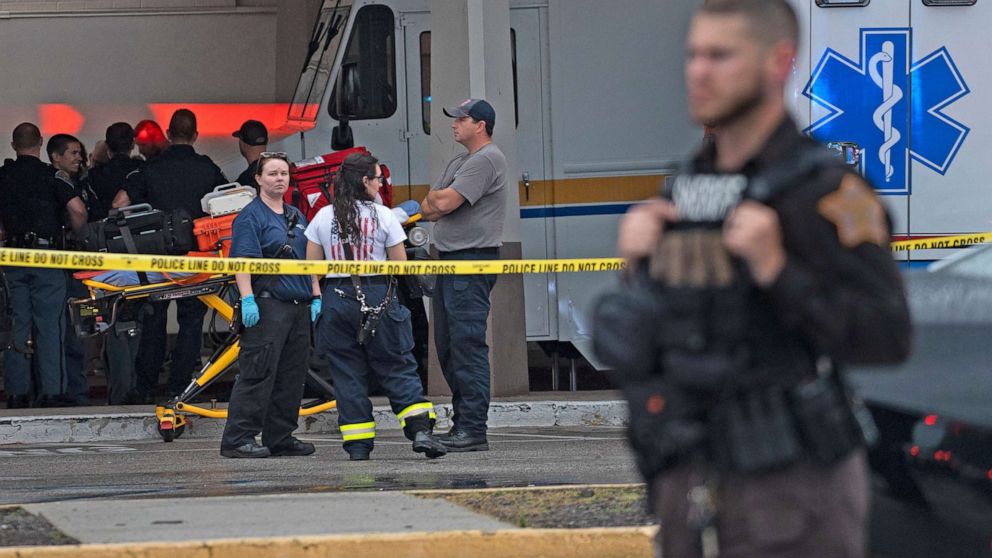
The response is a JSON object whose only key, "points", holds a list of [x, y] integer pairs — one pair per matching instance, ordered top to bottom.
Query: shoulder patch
{"points": [[856, 212]]}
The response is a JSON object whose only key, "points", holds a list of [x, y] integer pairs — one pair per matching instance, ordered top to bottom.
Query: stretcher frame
{"points": [[100, 313]]}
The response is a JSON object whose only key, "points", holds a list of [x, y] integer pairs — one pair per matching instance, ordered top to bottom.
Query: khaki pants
{"points": [[802, 511]]}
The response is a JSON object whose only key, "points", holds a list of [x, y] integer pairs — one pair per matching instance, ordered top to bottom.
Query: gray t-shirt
{"points": [[478, 223]]}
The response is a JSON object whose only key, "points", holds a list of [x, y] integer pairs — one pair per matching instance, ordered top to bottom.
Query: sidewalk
{"points": [[125, 423], [386, 524]]}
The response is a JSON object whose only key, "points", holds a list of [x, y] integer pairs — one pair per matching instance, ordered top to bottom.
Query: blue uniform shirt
{"points": [[259, 232]]}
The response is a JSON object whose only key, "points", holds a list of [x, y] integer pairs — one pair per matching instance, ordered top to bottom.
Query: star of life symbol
{"points": [[889, 106]]}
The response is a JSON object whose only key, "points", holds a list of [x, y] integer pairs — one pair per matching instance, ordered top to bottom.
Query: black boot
{"points": [[18, 402], [418, 430]]}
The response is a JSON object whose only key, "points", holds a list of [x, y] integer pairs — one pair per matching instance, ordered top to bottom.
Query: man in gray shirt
{"points": [[468, 204]]}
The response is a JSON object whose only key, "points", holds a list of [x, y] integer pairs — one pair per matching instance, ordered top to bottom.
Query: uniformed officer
{"points": [[253, 140], [67, 155], [108, 179], [175, 180], [34, 207], [276, 311], [363, 329], [781, 469]]}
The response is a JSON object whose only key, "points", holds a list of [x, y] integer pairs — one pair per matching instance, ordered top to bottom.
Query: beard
{"points": [[738, 108]]}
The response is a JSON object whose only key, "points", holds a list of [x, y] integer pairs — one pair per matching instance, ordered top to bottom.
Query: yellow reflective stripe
{"points": [[414, 410], [360, 431]]}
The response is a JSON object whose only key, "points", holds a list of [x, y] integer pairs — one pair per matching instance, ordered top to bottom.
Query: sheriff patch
{"points": [[856, 212]]}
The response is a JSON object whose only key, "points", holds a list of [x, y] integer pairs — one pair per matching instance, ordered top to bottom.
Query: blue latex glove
{"points": [[314, 309], [249, 311]]}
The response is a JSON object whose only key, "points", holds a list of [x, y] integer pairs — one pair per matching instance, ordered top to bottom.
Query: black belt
{"points": [[494, 251], [346, 281], [267, 294]]}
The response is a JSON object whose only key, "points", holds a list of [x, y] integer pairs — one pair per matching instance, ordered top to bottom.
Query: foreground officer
{"points": [[67, 156], [175, 180], [33, 207], [276, 311], [363, 329], [756, 449]]}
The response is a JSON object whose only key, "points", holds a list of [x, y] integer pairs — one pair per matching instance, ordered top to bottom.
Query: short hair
{"points": [[770, 20], [182, 126], [489, 126], [26, 135], [119, 137], [58, 143]]}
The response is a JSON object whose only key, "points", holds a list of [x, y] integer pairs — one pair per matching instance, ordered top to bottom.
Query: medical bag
{"points": [[312, 181], [139, 229]]}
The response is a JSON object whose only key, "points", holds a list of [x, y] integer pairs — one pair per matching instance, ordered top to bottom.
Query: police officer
{"points": [[253, 139], [67, 155], [108, 179], [175, 180], [33, 207], [276, 312], [363, 329], [778, 467]]}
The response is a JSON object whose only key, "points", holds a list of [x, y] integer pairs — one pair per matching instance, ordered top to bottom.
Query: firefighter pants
{"points": [[461, 307], [387, 356]]}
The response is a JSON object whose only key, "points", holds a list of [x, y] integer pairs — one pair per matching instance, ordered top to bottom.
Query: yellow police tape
{"points": [[938, 242], [19, 257], [60, 259]]}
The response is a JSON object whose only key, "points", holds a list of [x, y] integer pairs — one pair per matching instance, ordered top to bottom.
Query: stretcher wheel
{"points": [[167, 423], [180, 426]]}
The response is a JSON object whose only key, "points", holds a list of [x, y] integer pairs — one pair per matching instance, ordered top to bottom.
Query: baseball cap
{"points": [[479, 109], [252, 132]]}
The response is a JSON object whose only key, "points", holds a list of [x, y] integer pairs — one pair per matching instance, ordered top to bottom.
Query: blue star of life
{"points": [[890, 106]]}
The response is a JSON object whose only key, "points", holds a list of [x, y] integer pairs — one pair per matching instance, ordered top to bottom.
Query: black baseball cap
{"points": [[479, 109], [252, 132]]}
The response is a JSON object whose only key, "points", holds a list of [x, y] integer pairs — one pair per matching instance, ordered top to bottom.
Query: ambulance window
{"points": [[949, 2], [842, 3], [325, 40], [425, 78], [365, 88]]}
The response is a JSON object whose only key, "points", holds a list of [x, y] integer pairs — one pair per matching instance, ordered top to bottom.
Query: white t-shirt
{"points": [[323, 230]]}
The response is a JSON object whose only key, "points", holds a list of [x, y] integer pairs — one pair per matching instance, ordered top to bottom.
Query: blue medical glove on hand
{"points": [[314, 309], [249, 311]]}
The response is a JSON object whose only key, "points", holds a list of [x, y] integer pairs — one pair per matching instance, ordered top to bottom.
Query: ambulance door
{"points": [[530, 55], [529, 58], [859, 90], [367, 92], [952, 123]]}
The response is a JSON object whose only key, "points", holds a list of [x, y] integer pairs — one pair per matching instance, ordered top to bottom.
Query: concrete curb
{"points": [[121, 427], [623, 542]]}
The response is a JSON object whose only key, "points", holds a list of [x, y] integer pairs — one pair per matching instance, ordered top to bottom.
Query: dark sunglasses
{"points": [[274, 155]]}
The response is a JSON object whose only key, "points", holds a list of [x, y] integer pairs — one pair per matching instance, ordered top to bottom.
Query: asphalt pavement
{"points": [[147, 490]]}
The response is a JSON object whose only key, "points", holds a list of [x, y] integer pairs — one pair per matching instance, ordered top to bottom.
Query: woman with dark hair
{"points": [[276, 311], [363, 329]]}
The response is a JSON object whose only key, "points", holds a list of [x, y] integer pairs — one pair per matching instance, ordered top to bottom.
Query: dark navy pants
{"points": [[37, 298], [461, 307], [186, 356], [389, 356], [272, 367], [77, 389]]}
